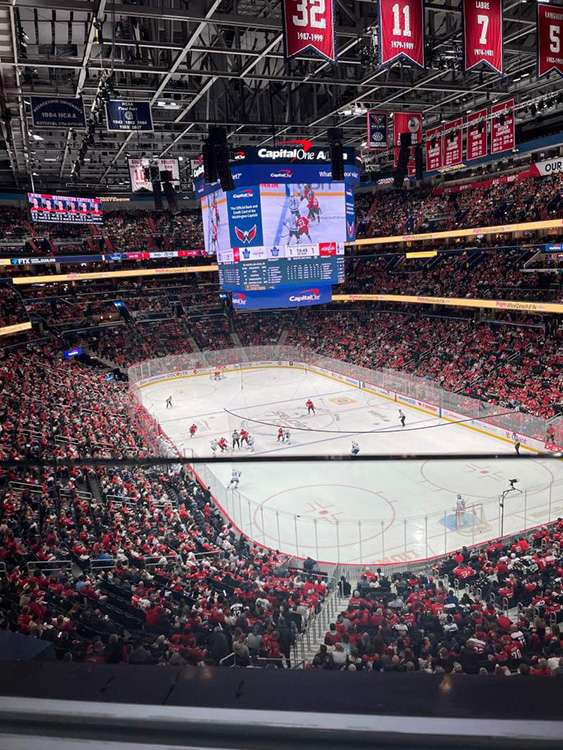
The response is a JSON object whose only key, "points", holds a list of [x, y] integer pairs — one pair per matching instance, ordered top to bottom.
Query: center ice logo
{"points": [[246, 235]]}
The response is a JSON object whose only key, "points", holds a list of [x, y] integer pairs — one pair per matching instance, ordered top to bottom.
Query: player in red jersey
{"points": [[314, 208], [303, 227], [214, 236], [310, 407], [193, 430], [280, 434], [243, 435], [223, 445]]}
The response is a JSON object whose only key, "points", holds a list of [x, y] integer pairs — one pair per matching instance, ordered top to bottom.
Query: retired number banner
{"points": [[309, 24], [401, 31], [482, 33], [550, 38], [502, 127], [477, 135], [434, 148]]}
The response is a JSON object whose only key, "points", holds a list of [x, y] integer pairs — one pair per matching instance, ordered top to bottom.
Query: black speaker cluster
{"points": [[215, 153]]}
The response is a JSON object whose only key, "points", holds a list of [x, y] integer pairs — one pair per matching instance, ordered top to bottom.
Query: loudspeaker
{"points": [[405, 139], [336, 154], [403, 159], [418, 161], [209, 163], [223, 166], [398, 179], [170, 194], [157, 195]]}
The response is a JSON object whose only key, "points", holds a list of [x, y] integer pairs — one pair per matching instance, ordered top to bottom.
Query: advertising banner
{"points": [[309, 24], [549, 29], [401, 31], [482, 34], [57, 112], [128, 116], [502, 127], [377, 130], [477, 141], [453, 142], [434, 148], [245, 217], [275, 298]]}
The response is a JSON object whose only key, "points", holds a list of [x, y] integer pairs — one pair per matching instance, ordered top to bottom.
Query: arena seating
{"points": [[496, 609]]}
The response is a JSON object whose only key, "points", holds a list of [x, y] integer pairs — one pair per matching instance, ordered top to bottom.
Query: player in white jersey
{"points": [[294, 203], [286, 437], [250, 443], [213, 446], [355, 448], [235, 479]]}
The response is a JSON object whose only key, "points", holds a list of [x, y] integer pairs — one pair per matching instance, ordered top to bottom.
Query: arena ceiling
{"points": [[221, 62]]}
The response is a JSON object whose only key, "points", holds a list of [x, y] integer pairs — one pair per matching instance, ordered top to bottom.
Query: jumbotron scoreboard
{"points": [[283, 226]]}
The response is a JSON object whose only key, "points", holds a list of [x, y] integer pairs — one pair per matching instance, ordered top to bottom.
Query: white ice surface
{"points": [[351, 512]]}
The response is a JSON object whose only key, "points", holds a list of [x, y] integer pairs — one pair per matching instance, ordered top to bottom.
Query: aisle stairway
{"points": [[309, 641]]}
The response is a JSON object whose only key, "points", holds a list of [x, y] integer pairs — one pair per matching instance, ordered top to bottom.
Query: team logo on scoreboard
{"points": [[238, 155], [285, 173], [246, 236], [274, 251], [307, 295], [238, 298]]}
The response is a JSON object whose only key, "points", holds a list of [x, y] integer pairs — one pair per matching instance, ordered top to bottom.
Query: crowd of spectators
{"points": [[12, 308], [139, 566], [491, 610]]}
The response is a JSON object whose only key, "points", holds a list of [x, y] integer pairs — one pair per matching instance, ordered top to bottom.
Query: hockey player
{"points": [[293, 203], [313, 207], [303, 227], [293, 229], [214, 237], [169, 402], [310, 407], [402, 417], [193, 430], [280, 434], [243, 436], [286, 437], [236, 439], [250, 443], [223, 445], [213, 446], [355, 448], [235, 479]]}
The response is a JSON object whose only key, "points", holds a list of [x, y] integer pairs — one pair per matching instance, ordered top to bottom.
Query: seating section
{"points": [[139, 566], [497, 609]]}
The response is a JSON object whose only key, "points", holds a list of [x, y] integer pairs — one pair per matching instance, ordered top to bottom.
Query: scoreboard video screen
{"points": [[64, 208], [275, 234]]}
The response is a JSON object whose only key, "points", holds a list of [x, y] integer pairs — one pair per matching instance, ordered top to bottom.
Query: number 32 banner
{"points": [[309, 24], [401, 31], [482, 33], [550, 38]]}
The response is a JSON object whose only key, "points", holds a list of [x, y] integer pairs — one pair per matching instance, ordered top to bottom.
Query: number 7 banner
{"points": [[309, 24], [401, 31], [482, 33], [550, 38]]}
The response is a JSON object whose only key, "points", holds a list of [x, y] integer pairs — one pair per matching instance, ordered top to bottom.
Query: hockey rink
{"points": [[350, 512]]}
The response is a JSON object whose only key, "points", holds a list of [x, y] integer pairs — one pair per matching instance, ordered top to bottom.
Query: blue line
{"points": [[277, 236]]}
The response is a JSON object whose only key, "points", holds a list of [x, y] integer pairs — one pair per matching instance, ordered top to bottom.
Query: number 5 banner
{"points": [[309, 23], [401, 31], [482, 33], [550, 38]]}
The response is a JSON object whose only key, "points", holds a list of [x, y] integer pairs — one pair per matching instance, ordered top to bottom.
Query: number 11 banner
{"points": [[309, 24], [401, 31], [482, 33], [550, 38]]}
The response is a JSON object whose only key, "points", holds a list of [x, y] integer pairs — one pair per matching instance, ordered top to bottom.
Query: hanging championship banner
{"points": [[309, 24], [401, 31], [482, 33], [549, 38], [57, 112], [128, 116], [407, 122], [502, 127], [377, 130], [477, 135], [453, 142], [434, 148]]}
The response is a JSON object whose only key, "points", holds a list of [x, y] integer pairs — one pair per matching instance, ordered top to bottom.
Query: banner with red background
{"points": [[309, 24], [549, 29], [401, 31], [482, 33], [502, 127], [453, 142], [477, 142], [434, 148]]}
